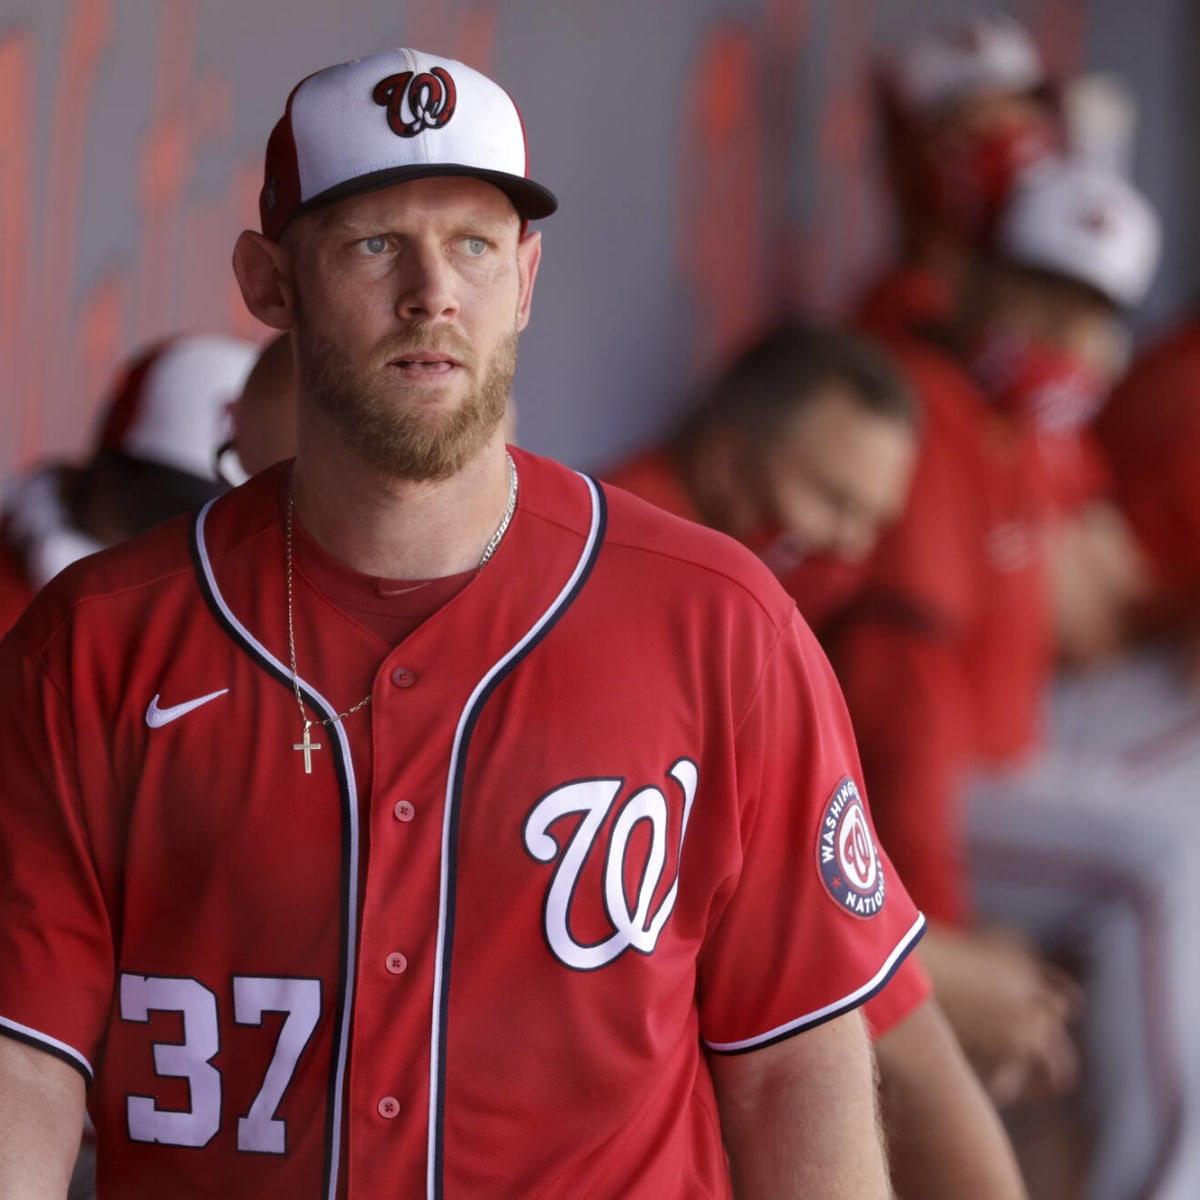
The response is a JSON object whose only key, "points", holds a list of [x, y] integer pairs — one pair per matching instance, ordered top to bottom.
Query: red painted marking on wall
{"points": [[88, 34], [476, 41], [166, 168], [16, 177], [243, 204], [844, 235], [719, 248], [59, 349]]}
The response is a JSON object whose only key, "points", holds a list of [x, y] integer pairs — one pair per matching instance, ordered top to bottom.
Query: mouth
{"points": [[425, 365]]}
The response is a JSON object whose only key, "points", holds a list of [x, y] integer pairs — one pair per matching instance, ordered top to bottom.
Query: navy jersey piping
{"points": [[339, 1059]]}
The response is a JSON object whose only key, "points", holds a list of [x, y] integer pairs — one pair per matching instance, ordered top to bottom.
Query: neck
{"points": [[399, 528]]}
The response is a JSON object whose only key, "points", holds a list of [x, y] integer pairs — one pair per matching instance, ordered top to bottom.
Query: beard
{"points": [[365, 406]]}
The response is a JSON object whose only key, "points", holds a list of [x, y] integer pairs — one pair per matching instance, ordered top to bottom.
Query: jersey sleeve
{"points": [[817, 921], [56, 947], [905, 992]]}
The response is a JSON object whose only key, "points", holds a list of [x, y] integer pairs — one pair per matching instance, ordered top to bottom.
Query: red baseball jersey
{"points": [[904, 301], [1150, 431], [820, 590], [946, 652], [481, 947]]}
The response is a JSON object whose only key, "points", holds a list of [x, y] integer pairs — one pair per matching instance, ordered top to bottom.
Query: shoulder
{"points": [[689, 564]]}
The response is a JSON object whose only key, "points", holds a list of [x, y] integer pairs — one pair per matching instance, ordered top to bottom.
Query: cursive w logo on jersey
{"points": [[633, 926]]}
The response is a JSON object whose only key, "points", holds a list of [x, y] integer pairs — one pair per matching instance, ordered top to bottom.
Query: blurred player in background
{"points": [[965, 109], [262, 418], [1150, 433], [803, 450], [153, 459], [946, 663]]}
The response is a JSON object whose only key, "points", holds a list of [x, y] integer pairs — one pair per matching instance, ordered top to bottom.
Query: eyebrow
{"points": [[350, 226]]}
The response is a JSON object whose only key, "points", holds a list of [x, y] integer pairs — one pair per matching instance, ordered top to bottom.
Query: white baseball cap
{"points": [[986, 53], [387, 119], [1083, 222], [171, 406]]}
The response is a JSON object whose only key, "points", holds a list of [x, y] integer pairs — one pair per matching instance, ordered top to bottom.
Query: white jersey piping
{"points": [[316, 700], [845, 1004], [25, 1034]]}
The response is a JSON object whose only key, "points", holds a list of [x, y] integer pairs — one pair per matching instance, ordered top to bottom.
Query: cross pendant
{"points": [[308, 746]]}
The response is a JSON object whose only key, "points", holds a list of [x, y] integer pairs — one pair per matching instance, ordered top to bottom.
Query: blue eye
{"points": [[374, 245], [475, 247]]}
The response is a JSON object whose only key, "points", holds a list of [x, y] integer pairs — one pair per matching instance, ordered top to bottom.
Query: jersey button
{"points": [[404, 677], [404, 811], [396, 963], [389, 1108]]}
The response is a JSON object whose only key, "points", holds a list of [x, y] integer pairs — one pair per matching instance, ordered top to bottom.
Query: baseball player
{"points": [[965, 108], [263, 416], [1149, 430], [803, 450], [152, 460], [415, 820]]}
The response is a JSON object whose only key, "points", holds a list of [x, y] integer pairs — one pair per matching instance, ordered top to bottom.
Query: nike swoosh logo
{"points": [[157, 717]]}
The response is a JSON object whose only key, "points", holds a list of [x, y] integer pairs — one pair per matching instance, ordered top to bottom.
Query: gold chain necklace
{"points": [[306, 744]]}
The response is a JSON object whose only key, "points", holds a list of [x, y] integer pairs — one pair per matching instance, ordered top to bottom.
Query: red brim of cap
{"points": [[531, 200]]}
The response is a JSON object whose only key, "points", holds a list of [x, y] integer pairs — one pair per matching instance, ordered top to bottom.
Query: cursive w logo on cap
{"points": [[414, 102]]}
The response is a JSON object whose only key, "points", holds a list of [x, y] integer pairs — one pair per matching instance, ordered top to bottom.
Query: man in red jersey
{"points": [[966, 109], [1150, 431], [804, 449], [415, 821]]}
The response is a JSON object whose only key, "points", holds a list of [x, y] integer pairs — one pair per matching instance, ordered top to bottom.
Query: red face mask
{"points": [[965, 177], [1048, 388], [819, 583]]}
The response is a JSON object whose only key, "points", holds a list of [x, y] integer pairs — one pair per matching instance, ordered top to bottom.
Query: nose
{"points": [[427, 290]]}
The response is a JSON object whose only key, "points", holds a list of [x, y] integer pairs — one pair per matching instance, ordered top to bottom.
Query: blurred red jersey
{"points": [[904, 301], [1150, 431], [15, 589], [944, 654]]}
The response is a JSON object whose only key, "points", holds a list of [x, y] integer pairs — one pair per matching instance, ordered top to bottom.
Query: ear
{"points": [[529, 255], [261, 267], [720, 481]]}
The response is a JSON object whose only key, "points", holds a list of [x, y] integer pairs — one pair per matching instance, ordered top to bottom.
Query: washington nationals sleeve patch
{"points": [[847, 857]]}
